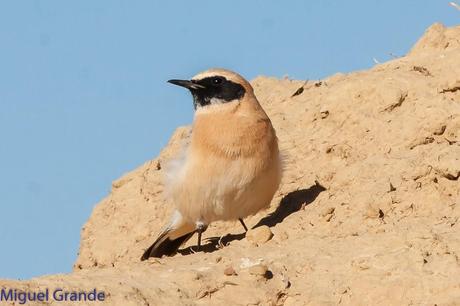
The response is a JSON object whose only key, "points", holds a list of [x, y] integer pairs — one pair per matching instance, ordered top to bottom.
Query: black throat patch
{"points": [[218, 88]]}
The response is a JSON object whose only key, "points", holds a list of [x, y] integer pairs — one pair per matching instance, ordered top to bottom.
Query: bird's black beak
{"points": [[187, 84]]}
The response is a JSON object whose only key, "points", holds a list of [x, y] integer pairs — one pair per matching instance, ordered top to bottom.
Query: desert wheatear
{"points": [[231, 167]]}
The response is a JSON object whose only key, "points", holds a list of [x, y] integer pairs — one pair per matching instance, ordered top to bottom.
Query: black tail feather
{"points": [[165, 246]]}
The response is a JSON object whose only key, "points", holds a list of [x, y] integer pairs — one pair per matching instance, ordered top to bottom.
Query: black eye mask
{"points": [[217, 87]]}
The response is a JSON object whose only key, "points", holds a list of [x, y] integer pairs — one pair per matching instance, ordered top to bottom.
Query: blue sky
{"points": [[84, 98]]}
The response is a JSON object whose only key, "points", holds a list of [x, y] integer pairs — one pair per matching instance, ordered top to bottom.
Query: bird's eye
{"points": [[217, 81]]}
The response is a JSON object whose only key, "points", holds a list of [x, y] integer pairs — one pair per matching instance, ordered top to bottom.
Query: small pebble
{"points": [[324, 114], [440, 130], [328, 211], [328, 217], [259, 235], [282, 236], [258, 270], [229, 271], [291, 301]]}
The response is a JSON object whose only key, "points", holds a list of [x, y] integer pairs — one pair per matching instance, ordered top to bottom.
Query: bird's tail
{"points": [[176, 233]]}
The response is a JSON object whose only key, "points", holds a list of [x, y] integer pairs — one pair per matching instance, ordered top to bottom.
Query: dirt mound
{"points": [[367, 212]]}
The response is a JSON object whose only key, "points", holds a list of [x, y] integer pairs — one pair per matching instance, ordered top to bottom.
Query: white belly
{"points": [[214, 189]]}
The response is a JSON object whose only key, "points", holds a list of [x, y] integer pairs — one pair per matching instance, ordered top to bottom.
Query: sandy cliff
{"points": [[367, 213]]}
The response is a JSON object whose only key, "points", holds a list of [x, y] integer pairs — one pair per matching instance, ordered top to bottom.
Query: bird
{"points": [[231, 167]]}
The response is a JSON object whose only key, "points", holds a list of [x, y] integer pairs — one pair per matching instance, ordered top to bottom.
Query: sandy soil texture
{"points": [[367, 212]]}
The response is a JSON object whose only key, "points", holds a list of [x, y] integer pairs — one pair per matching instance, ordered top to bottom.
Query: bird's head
{"points": [[216, 86]]}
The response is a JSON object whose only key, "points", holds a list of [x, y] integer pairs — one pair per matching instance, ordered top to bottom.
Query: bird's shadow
{"points": [[289, 204]]}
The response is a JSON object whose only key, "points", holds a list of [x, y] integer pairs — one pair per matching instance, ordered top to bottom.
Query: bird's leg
{"points": [[244, 225], [200, 228], [199, 240]]}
